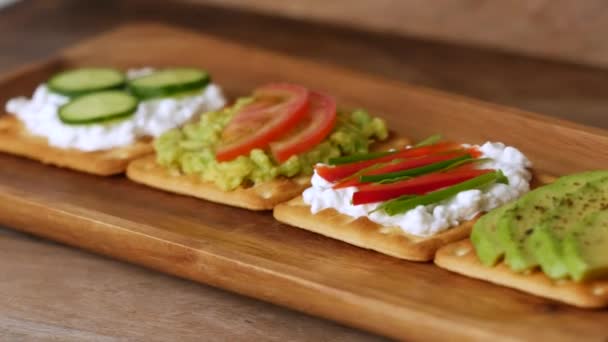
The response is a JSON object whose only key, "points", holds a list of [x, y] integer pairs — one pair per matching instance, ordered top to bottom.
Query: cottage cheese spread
{"points": [[152, 118], [432, 219]]}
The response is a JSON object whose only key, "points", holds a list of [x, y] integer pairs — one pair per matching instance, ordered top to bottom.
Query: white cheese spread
{"points": [[152, 118], [432, 219]]}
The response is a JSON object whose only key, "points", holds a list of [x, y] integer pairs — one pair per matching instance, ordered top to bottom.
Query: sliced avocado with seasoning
{"points": [[519, 222], [517, 225], [514, 227], [485, 237], [546, 240], [584, 248]]}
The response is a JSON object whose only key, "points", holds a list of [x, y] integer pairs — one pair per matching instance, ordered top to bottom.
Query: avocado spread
{"points": [[191, 149], [559, 227]]}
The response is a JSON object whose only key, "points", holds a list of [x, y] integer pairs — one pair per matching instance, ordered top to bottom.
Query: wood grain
{"points": [[560, 29], [563, 90], [413, 111], [252, 254], [50, 292]]}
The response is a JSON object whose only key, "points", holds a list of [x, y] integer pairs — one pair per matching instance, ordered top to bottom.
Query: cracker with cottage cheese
{"points": [[15, 139], [103, 144], [263, 196], [417, 233], [366, 234], [460, 257]]}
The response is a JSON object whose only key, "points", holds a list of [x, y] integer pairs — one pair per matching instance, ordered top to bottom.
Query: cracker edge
{"points": [[14, 139], [147, 172], [260, 197], [366, 234], [460, 257]]}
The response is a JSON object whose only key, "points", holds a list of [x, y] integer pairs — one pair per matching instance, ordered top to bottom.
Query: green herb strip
{"points": [[432, 140], [359, 157], [463, 162], [361, 172], [387, 177], [403, 204]]}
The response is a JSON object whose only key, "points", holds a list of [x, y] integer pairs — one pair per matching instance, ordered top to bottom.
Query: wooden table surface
{"points": [[52, 292]]}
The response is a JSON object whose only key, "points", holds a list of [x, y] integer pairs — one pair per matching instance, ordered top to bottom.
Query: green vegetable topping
{"points": [[432, 140], [191, 149], [358, 157], [398, 175], [403, 204]]}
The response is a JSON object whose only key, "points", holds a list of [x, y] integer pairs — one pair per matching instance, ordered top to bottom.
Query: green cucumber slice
{"points": [[77, 82], [169, 82], [98, 107]]}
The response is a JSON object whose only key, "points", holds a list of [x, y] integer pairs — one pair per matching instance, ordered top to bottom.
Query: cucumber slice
{"points": [[78, 82], [169, 82], [98, 107]]}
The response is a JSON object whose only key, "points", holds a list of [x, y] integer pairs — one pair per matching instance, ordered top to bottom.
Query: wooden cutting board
{"points": [[252, 254]]}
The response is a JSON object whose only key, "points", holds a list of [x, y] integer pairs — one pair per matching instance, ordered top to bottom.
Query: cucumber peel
{"points": [[78, 82], [168, 82], [98, 107]]}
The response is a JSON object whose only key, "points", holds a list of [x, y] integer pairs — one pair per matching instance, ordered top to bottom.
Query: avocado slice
{"points": [[516, 225], [484, 236], [546, 239], [584, 247]]}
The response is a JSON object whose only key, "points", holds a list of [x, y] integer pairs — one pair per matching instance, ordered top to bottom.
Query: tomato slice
{"points": [[276, 108], [313, 129], [401, 166], [335, 173], [371, 193]]}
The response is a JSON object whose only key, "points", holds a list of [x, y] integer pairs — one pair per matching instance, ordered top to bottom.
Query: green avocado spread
{"points": [[191, 149]]}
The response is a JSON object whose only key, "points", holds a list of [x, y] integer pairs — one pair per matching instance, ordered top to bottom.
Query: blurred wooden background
{"points": [[569, 30], [565, 90]]}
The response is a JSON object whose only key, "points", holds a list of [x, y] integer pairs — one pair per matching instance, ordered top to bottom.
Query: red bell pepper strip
{"points": [[400, 166], [335, 173], [371, 193], [402, 204]]}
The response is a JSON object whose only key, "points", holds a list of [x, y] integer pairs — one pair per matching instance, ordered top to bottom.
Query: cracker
{"points": [[15, 139], [263, 196], [259, 197], [364, 233], [460, 257]]}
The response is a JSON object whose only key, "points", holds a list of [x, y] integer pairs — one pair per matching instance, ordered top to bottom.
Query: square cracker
{"points": [[15, 139], [263, 196], [259, 197], [364, 233], [460, 257]]}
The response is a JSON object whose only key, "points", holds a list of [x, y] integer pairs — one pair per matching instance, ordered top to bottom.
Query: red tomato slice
{"points": [[276, 108], [315, 127], [402, 165], [335, 173], [371, 193]]}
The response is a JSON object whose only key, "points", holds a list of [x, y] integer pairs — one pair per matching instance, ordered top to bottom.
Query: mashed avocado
{"points": [[191, 149]]}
